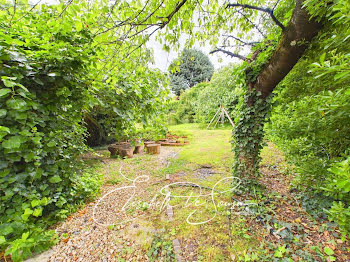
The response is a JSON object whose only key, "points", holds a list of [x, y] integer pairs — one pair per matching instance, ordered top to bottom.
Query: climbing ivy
{"points": [[259, 56], [43, 92], [253, 110], [248, 133]]}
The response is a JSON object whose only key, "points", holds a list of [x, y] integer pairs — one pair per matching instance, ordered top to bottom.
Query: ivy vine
{"points": [[248, 133]]}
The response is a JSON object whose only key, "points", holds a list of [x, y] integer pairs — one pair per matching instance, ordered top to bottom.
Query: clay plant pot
{"points": [[146, 143], [114, 149], [139, 149], [153, 149], [126, 151]]}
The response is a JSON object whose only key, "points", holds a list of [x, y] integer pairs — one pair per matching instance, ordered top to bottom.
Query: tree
{"points": [[191, 68], [262, 75]]}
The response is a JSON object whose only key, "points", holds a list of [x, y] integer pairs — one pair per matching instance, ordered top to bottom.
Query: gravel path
{"points": [[100, 231]]}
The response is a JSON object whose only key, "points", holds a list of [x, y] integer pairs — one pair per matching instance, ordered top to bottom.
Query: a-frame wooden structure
{"points": [[220, 114]]}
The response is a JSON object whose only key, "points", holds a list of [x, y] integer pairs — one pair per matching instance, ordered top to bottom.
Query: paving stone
{"points": [[170, 213], [177, 250]]}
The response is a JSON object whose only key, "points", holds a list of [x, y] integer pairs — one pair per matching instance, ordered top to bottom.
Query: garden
{"points": [[106, 156]]}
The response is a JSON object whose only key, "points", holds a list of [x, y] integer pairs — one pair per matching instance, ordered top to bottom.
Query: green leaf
{"points": [[78, 25], [322, 57], [341, 75], [8, 83], [4, 91], [17, 104], [3, 113], [4, 131], [12, 142], [51, 143], [4, 173], [55, 179], [44, 201], [35, 202], [37, 212], [27, 213], [7, 230], [25, 235], [2, 240], [328, 251]]}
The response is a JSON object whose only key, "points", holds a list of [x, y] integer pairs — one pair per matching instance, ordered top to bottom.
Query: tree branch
{"points": [[65, 8], [177, 8], [262, 9], [14, 13], [240, 40], [229, 53]]}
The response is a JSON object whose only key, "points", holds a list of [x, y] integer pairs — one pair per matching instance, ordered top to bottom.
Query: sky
{"points": [[163, 58]]}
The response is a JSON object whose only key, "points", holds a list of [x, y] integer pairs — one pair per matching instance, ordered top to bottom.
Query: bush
{"points": [[44, 90], [222, 90], [42, 96], [128, 102], [200, 103], [183, 110], [310, 117], [310, 120], [313, 132], [337, 186]]}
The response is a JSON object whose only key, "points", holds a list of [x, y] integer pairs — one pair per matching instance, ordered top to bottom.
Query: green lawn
{"points": [[211, 147]]}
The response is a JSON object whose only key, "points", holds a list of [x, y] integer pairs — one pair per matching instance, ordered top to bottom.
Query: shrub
{"points": [[222, 90], [43, 93], [200, 103], [183, 110], [310, 120], [313, 132], [338, 187]]}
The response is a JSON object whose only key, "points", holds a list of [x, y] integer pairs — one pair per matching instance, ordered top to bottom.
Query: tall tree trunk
{"points": [[248, 133]]}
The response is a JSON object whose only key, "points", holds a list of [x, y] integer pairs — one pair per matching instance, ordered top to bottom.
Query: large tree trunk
{"points": [[248, 132]]}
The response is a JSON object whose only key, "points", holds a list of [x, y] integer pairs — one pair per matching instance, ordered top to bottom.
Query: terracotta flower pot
{"points": [[114, 149]]}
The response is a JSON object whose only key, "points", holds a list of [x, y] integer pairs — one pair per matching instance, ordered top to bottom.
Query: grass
{"points": [[207, 147], [213, 148]]}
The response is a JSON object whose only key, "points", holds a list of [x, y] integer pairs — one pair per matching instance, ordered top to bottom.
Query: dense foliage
{"points": [[191, 68], [54, 73], [221, 90], [43, 95], [201, 102], [132, 103], [183, 109], [310, 120], [338, 187]]}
